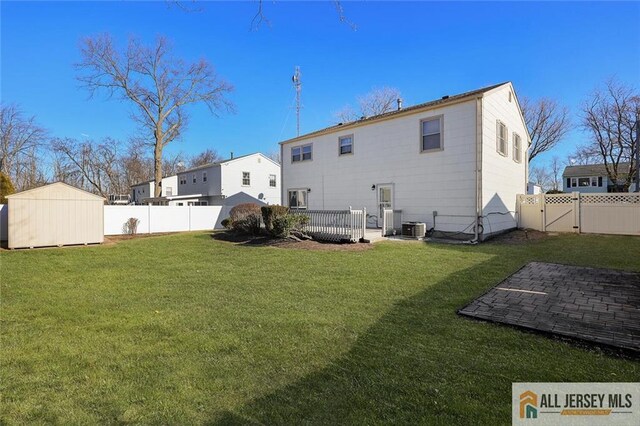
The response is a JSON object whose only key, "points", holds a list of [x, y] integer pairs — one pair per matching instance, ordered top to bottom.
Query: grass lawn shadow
{"points": [[422, 363]]}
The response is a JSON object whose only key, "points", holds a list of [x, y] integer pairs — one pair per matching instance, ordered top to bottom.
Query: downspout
{"points": [[478, 171]]}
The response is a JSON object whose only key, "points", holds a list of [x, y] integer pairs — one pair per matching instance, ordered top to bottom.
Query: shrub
{"points": [[6, 188], [554, 191], [270, 213], [246, 218], [284, 225], [131, 226]]}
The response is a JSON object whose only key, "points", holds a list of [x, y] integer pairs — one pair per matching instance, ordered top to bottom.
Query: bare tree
{"points": [[159, 86], [376, 102], [609, 116], [548, 123], [20, 141], [275, 155], [207, 156], [173, 164], [96, 167], [556, 167], [540, 176]]}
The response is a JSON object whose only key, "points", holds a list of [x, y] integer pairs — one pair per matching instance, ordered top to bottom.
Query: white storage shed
{"points": [[55, 215]]}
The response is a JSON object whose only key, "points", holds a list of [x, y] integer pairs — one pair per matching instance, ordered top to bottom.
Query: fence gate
{"points": [[558, 213], [606, 213]]}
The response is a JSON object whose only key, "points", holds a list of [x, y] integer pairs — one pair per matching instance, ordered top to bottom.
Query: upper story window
{"points": [[431, 134], [501, 138], [345, 143], [517, 148], [301, 153], [204, 176], [193, 178], [246, 179], [183, 180], [272, 181], [169, 191], [298, 198]]}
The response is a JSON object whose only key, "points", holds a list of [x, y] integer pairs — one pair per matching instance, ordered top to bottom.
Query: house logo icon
{"points": [[528, 405]]}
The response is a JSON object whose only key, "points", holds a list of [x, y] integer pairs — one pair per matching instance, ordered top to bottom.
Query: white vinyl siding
{"points": [[431, 132], [501, 138]]}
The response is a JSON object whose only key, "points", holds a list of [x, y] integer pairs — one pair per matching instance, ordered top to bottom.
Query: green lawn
{"points": [[185, 329]]}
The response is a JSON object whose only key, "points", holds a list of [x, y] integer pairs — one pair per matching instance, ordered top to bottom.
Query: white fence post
{"points": [[575, 198], [543, 213], [149, 217], [364, 222]]}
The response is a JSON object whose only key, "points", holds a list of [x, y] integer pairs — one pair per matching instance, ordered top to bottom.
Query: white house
{"points": [[456, 164], [249, 178], [593, 178], [145, 190]]}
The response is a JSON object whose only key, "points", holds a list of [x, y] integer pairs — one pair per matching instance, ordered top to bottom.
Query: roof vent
{"points": [[445, 97], [399, 101], [364, 117], [339, 124], [232, 155]]}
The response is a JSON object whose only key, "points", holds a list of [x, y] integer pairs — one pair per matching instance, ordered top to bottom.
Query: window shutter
{"points": [[599, 180], [568, 182]]}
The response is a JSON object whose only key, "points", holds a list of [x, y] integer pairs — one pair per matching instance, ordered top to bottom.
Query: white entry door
{"points": [[385, 201]]}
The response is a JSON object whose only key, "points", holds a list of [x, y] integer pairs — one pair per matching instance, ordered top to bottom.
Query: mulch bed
{"points": [[520, 236], [249, 240]]}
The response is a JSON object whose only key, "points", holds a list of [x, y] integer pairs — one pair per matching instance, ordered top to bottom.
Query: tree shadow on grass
{"points": [[421, 363]]}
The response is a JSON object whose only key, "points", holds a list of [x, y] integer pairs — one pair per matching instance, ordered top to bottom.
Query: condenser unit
{"points": [[414, 229]]}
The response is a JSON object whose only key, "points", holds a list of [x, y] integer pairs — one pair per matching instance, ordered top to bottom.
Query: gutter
{"points": [[478, 171]]}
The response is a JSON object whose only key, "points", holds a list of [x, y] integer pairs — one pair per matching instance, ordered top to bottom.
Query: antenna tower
{"points": [[297, 84]]}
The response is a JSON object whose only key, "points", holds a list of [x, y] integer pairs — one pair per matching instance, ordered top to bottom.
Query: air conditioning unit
{"points": [[414, 229]]}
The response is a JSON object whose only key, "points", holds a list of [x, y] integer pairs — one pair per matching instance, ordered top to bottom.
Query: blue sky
{"points": [[426, 49]]}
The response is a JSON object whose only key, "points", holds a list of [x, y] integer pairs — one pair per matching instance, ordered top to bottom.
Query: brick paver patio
{"points": [[597, 305]]}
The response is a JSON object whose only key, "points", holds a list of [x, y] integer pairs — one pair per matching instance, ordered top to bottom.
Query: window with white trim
{"points": [[431, 133], [501, 138], [345, 145], [517, 148], [301, 153], [204, 176], [194, 179], [246, 179], [183, 180], [272, 181], [584, 181], [594, 181], [574, 182], [298, 199]]}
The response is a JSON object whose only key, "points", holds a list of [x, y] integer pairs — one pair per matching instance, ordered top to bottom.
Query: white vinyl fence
{"points": [[606, 213], [154, 219], [335, 225]]}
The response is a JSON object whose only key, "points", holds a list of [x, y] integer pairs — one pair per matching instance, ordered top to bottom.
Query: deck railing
{"points": [[335, 225]]}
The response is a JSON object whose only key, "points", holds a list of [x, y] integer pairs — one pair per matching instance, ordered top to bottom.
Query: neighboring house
{"points": [[456, 164], [253, 178], [592, 178], [533, 188], [145, 190]]}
